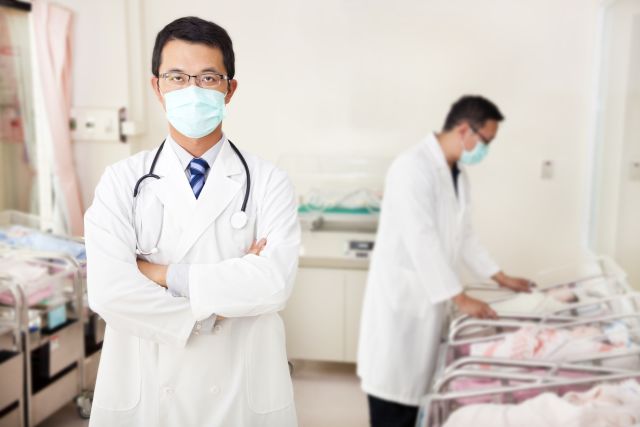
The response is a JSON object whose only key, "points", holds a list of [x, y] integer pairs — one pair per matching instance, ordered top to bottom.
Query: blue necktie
{"points": [[198, 168]]}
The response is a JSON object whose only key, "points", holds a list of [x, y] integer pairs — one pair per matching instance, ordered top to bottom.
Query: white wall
{"points": [[101, 75], [358, 77], [370, 77], [615, 228], [628, 230]]}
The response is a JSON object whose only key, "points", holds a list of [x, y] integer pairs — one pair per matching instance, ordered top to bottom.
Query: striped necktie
{"points": [[198, 168]]}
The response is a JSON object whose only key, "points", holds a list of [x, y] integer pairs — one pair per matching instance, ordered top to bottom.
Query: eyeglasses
{"points": [[177, 80], [482, 138]]}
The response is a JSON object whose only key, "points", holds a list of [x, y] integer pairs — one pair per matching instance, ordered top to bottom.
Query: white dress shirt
{"points": [[178, 274]]}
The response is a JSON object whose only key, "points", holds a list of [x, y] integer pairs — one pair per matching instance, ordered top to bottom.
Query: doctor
{"points": [[424, 233], [190, 298]]}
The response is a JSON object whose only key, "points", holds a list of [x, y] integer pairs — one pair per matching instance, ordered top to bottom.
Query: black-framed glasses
{"points": [[208, 80], [482, 138]]}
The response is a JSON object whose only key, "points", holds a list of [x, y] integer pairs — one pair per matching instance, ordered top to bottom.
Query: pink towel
{"points": [[33, 297]]}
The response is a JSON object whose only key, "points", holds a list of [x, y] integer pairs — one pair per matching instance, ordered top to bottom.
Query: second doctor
{"points": [[425, 234]]}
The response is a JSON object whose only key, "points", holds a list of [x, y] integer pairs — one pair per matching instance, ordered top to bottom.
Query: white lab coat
{"points": [[424, 232], [156, 368]]}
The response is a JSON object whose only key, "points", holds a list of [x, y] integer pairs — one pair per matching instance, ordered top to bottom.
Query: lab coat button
{"points": [[198, 325], [217, 329], [196, 333], [215, 389], [168, 391]]}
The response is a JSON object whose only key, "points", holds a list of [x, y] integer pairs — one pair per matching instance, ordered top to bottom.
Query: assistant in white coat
{"points": [[424, 232], [159, 366]]}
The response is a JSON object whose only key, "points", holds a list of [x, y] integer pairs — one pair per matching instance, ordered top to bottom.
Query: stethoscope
{"points": [[238, 219]]}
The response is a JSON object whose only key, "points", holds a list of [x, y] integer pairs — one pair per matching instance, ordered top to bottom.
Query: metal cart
{"points": [[598, 276], [603, 295], [93, 324], [51, 331], [11, 357], [513, 386]]}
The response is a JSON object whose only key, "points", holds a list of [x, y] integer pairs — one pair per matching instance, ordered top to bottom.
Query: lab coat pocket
{"points": [[119, 380], [269, 385]]}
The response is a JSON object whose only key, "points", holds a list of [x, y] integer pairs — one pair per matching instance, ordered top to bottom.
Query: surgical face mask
{"points": [[193, 111], [476, 155]]}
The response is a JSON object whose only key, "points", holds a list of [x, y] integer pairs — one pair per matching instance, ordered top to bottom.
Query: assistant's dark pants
{"points": [[383, 413]]}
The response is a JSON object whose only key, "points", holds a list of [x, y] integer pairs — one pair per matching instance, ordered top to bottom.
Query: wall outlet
{"points": [[95, 124], [548, 169], [634, 171]]}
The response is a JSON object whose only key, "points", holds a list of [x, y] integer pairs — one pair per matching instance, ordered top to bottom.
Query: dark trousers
{"points": [[383, 413]]}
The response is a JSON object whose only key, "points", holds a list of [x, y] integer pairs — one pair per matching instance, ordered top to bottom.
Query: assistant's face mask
{"points": [[193, 111], [476, 155]]}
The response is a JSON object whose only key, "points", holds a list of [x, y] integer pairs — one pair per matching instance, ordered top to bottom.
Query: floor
{"points": [[326, 394]]}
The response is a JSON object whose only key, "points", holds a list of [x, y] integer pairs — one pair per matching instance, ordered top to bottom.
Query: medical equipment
{"points": [[338, 207], [238, 219], [19, 230], [591, 277], [615, 305], [591, 336], [545, 339], [54, 352], [11, 358], [472, 379], [506, 387]]}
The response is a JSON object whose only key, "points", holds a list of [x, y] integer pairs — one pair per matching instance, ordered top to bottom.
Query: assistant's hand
{"points": [[257, 247], [155, 272], [516, 284], [474, 307]]}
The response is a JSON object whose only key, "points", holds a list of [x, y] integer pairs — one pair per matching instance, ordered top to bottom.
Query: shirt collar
{"points": [[185, 158]]}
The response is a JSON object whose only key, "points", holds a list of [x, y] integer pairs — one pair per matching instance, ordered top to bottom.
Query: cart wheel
{"points": [[83, 405]]}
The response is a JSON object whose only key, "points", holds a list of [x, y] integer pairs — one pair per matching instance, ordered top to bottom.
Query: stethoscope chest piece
{"points": [[239, 220]]}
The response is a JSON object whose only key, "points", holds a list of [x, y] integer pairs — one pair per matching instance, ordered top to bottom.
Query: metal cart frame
{"points": [[93, 324], [58, 354], [12, 407]]}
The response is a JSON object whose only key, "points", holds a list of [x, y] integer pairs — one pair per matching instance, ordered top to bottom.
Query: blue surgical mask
{"points": [[193, 111], [476, 155]]}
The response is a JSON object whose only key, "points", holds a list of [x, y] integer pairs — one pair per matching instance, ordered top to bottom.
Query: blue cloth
{"points": [[198, 168], [23, 237], [57, 317]]}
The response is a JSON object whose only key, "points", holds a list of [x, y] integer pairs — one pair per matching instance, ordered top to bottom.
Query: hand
{"points": [[257, 247], [155, 272], [516, 284], [474, 307]]}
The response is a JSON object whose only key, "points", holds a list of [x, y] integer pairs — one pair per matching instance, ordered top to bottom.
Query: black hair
{"points": [[195, 30], [475, 110]]}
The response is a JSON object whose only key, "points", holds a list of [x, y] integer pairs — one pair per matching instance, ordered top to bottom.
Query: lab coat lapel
{"points": [[444, 176], [173, 188], [218, 191]]}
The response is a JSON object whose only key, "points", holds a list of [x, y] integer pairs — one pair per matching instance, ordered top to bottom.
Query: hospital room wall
{"points": [[101, 76], [362, 78], [614, 227], [628, 227]]}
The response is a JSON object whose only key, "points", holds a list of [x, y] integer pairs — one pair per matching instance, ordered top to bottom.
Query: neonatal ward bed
{"points": [[21, 231], [51, 329], [582, 329], [11, 357]]}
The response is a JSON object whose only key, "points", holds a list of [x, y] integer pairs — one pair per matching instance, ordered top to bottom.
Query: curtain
{"points": [[53, 37], [18, 186]]}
